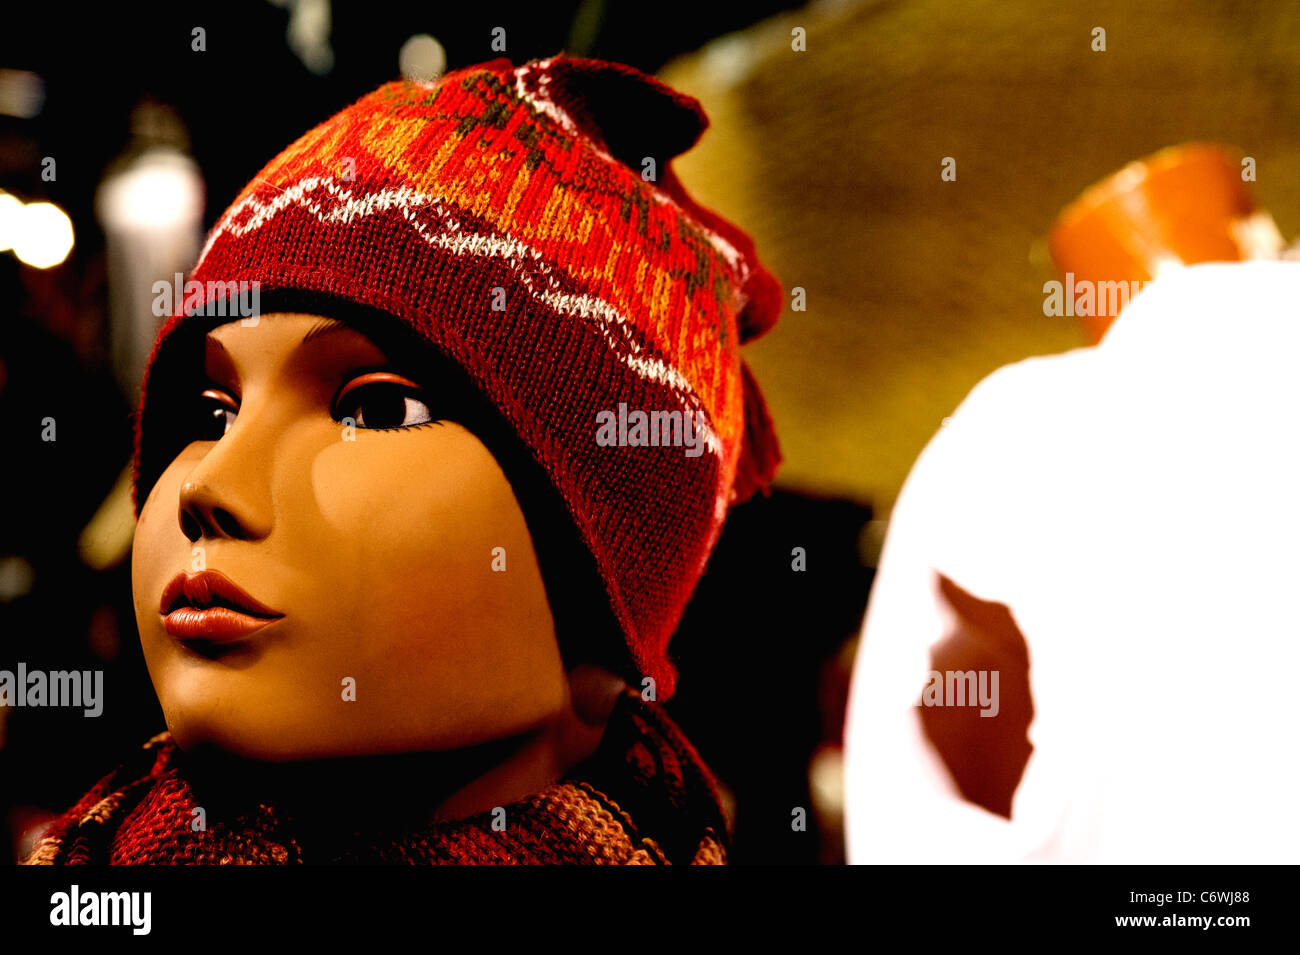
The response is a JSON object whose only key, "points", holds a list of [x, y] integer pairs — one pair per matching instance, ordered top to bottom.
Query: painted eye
{"points": [[384, 405], [216, 416]]}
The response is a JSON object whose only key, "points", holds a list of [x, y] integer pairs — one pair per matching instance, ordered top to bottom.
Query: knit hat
{"points": [[525, 221]]}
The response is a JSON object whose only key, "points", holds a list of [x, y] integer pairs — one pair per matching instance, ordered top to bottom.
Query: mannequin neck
{"points": [[418, 789]]}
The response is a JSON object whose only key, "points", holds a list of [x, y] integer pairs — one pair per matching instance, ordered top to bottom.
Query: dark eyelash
{"points": [[412, 391], [409, 427]]}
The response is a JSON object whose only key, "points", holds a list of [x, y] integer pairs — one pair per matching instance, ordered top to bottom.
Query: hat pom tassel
{"points": [[760, 453]]}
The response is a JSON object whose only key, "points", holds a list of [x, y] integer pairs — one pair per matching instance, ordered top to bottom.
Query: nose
{"points": [[227, 495], [202, 514]]}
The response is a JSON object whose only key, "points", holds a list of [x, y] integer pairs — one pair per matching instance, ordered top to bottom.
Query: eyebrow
{"points": [[323, 327]]}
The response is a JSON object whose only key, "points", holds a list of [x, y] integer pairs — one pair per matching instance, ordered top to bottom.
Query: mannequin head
{"points": [[415, 616]]}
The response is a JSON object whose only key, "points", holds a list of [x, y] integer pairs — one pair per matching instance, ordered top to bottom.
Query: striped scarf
{"points": [[644, 798]]}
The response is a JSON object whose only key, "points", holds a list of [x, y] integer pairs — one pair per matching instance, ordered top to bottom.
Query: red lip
{"points": [[209, 606]]}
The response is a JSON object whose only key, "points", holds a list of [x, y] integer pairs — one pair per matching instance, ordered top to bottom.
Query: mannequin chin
{"points": [[334, 486]]}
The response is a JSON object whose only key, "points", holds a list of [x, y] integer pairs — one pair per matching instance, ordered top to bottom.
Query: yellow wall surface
{"points": [[917, 288]]}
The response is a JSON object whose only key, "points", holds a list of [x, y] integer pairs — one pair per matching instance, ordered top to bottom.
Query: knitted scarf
{"points": [[644, 798]]}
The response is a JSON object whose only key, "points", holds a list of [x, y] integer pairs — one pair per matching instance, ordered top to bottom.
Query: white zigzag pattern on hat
{"points": [[536, 275]]}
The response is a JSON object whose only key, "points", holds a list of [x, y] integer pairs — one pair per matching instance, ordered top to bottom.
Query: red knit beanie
{"points": [[525, 221]]}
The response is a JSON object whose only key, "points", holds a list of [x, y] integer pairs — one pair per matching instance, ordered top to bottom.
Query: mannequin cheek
{"points": [[405, 502], [159, 549], [447, 584]]}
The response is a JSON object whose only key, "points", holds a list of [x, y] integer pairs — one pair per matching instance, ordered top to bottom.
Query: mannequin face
{"points": [[375, 546]]}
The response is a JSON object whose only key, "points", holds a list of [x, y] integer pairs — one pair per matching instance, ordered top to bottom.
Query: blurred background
{"points": [[120, 144]]}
